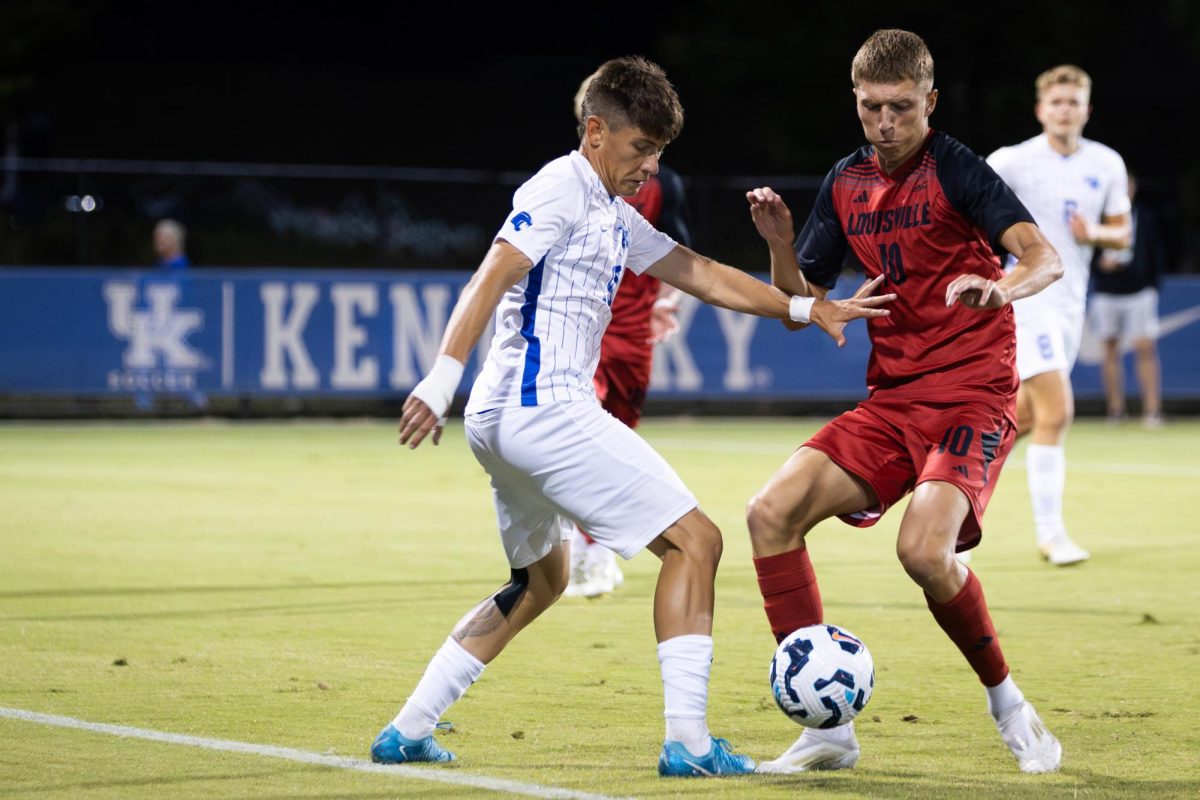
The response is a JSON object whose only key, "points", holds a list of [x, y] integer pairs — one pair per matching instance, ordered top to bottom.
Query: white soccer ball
{"points": [[822, 676]]}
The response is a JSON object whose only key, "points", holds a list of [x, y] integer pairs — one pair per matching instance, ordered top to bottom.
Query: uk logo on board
{"points": [[157, 355]]}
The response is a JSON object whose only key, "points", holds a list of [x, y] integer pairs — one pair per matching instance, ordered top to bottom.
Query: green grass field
{"points": [[285, 584]]}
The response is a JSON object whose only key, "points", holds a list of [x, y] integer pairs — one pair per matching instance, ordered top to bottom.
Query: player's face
{"points": [[1063, 110], [895, 118], [624, 158], [165, 243]]}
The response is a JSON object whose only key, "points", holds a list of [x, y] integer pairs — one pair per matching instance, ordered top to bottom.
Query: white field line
{"points": [[784, 450], [305, 757]]}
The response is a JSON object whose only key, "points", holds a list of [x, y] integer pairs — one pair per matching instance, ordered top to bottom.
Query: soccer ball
{"points": [[822, 676]]}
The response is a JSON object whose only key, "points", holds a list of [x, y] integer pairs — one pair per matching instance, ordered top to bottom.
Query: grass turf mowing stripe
{"points": [[304, 756]]}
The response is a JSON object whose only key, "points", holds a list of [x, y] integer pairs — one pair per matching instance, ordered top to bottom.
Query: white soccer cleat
{"points": [[1062, 552], [594, 571], [599, 571], [1027, 737], [836, 748]]}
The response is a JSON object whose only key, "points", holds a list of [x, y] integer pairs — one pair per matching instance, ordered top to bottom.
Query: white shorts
{"points": [[1125, 316], [1048, 337], [573, 461]]}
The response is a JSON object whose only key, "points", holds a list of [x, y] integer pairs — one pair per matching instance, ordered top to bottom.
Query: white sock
{"points": [[1046, 470], [686, 662], [449, 674], [1003, 696]]}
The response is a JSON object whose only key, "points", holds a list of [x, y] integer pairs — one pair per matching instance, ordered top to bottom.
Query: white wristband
{"points": [[799, 308], [436, 389]]}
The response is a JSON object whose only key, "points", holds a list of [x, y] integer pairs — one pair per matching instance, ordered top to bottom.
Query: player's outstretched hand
{"points": [[771, 216], [976, 291], [831, 316], [663, 322], [416, 421]]}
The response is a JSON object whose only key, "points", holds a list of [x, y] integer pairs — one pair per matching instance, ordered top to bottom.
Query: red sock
{"points": [[789, 589], [966, 620]]}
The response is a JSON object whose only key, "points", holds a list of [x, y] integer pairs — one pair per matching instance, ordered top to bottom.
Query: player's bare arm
{"points": [[773, 219], [1113, 231], [502, 267], [1037, 267], [726, 287]]}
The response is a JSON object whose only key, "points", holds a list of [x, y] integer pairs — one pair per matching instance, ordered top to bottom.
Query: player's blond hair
{"points": [[891, 56], [1063, 73], [632, 91], [579, 95]]}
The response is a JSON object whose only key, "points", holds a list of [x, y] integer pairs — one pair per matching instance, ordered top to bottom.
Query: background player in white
{"points": [[1076, 190], [554, 456]]}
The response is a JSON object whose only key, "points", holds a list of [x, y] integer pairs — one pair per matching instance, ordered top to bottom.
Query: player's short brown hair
{"points": [[890, 56], [1063, 73], [633, 91]]}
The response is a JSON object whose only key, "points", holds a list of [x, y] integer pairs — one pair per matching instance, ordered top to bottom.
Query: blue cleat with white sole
{"points": [[392, 747], [677, 761]]}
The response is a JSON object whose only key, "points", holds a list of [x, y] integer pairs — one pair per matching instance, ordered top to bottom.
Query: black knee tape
{"points": [[507, 597]]}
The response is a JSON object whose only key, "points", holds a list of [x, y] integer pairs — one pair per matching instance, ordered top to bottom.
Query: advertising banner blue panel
{"points": [[273, 332]]}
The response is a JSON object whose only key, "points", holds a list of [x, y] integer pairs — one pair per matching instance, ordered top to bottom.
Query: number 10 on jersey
{"points": [[891, 263]]}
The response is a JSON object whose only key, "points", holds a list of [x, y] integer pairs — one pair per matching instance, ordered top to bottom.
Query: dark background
{"points": [[765, 87]]}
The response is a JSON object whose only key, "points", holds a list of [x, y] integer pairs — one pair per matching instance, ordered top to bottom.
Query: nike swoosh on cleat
{"points": [[698, 768]]}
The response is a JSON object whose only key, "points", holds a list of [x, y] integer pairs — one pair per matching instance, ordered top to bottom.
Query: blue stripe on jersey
{"points": [[533, 349]]}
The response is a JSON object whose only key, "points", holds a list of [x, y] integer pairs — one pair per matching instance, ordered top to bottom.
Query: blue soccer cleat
{"points": [[392, 747], [677, 761]]}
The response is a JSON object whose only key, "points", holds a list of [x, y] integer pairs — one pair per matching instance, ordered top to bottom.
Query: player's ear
{"points": [[931, 101], [594, 131]]}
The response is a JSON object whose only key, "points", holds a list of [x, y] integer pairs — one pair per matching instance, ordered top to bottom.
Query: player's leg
{"points": [[1106, 321], [1144, 330], [1047, 343], [1114, 381], [1150, 381], [1052, 402], [616, 487], [809, 488], [532, 532], [926, 546], [690, 551], [475, 641]]}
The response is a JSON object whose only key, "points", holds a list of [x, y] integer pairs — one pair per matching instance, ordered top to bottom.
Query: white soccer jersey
{"points": [[1091, 182], [548, 326]]}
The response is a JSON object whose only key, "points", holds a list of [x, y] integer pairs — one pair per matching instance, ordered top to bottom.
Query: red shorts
{"points": [[621, 386], [894, 443]]}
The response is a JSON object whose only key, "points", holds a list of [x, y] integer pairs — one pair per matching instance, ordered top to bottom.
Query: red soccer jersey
{"points": [[940, 215], [630, 327]]}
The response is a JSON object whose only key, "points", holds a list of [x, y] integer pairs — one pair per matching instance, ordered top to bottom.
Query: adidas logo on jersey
{"points": [[862, 198]]}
